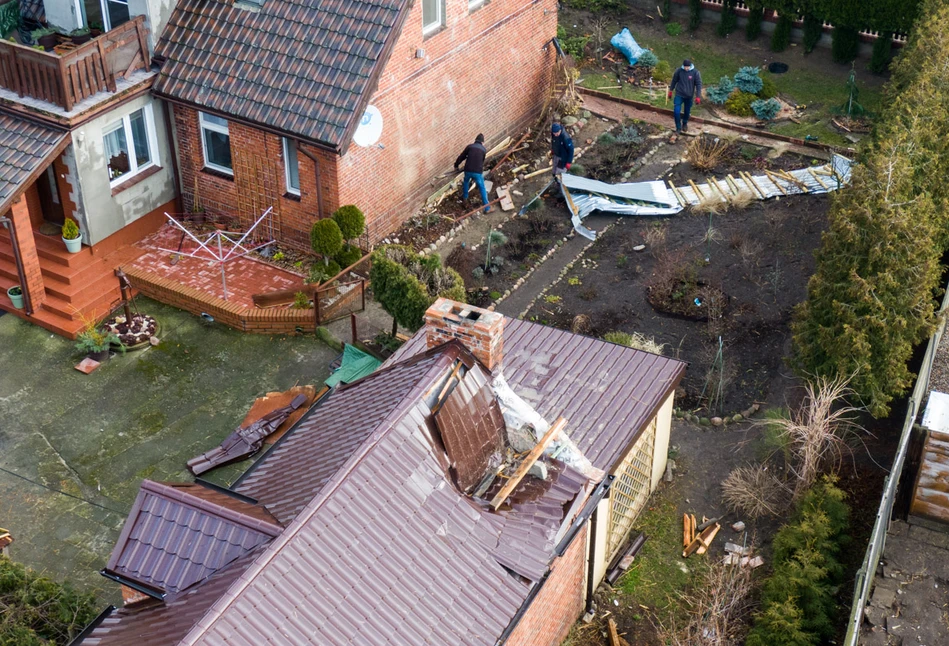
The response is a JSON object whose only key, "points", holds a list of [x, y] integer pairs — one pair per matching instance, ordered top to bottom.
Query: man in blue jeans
{"points": [[686, 83], [473, 155]]}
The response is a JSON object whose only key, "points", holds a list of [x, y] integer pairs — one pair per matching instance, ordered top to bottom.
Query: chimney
{"points": [[481, 331]]}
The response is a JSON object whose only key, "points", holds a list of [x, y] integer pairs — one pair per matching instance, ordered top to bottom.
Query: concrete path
{"points": [[142, 415]]}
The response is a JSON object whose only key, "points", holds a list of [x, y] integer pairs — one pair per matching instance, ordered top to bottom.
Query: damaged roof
{"points": [[305, 68], [588, 381], [379, 546]]}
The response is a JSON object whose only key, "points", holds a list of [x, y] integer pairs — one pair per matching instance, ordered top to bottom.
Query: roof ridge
{"points": [[220, 606]]}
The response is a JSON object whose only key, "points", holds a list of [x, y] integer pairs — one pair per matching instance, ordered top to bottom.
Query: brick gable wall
{"points": [[487, 71], [219, 194], [560, 602]]}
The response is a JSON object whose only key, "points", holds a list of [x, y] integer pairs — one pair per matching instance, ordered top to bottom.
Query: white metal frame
{"points": [[104, 5], [439, 20], [214, 127], [151, 141], [287, 143], [212, 246]]}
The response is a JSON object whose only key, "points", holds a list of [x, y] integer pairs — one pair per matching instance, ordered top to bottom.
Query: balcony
{"points": [[68, 78]]}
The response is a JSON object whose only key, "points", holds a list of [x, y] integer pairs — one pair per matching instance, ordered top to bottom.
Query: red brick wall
{"points": [[487, 71], [219, 195], [20, 215], [559, 603]]}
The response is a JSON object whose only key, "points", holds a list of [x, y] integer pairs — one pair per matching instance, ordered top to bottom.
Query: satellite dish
{"points": [[370, 127]]}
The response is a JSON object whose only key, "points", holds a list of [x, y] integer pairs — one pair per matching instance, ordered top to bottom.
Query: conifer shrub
{"points": [[695, 14], [728, 20], [753, 27], [813, 30], [781, 38], [845, 44], [882, 52], [647, 59], [747, 80], [768, 88], [718, 94], [739, 104], [766, 109], [350, 220], [325, 238]]}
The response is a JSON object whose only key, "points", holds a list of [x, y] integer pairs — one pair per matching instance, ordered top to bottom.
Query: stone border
{"points": [[717, 421]]}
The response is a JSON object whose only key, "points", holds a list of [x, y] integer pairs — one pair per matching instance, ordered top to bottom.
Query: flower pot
{"points": [[82, 38], [48, 41], [74, 245], [16, 298], [102, 355]]}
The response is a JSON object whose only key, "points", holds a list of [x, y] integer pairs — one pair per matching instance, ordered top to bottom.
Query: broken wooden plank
{"points": [[515, 171], [538, 172], [791, 178], [818, 179], [750, 181], [507, 204], [529, 461], [686, 533], [707, 537], [614, 633]]}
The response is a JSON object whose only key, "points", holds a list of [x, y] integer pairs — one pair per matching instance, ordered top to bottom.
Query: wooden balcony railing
{"points": [[69, 78]]}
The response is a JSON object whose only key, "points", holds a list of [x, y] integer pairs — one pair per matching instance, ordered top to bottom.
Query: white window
{"points": [[114, 13], [433, 15], [216, 143], [130, 145], [291, 166]]}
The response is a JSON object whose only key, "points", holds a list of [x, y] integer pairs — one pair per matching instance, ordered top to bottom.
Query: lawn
{"points": [[141, 415]]}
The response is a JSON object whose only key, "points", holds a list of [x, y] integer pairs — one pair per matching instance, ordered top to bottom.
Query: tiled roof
{"points": [[304, 67], [24, 147], [606, 391], [178, 534], [156, 623]]}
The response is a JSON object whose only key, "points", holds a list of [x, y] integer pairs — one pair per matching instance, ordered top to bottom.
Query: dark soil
{"points": [[616, 151], [747, 281]]}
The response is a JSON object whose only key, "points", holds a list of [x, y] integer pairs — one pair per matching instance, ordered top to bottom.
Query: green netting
{"points": [[9, 17], [356, 365]]}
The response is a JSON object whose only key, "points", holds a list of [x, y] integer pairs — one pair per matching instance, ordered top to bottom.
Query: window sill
{"points": [[472, 9], [434, 32], [218, 173], [135, 179], [292, 196]]}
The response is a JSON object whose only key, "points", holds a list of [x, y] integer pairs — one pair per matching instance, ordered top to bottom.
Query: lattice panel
{"points": [[258, 181], [631, 489]]}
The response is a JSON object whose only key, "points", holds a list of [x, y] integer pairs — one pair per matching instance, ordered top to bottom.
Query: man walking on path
{"points": [[686, 83], [561, 149], [473, 155]]}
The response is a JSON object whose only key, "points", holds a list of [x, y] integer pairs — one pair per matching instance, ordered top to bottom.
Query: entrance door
{"points": [[49, 197]]}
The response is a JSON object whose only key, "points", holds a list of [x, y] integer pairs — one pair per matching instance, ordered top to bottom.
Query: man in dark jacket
{"points": [[686, 83], [561, 149], [473, 155]]}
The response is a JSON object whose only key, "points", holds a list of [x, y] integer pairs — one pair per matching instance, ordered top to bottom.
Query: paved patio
{"points": [[245, 276], [141, 415]]}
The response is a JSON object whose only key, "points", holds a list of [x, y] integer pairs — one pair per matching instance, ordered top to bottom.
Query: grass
{"points": [[659, 574]]}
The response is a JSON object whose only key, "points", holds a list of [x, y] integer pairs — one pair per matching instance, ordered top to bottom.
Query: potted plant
{"points": [[96, 29], [80, 35], [45, 37], [72, 237], [16, 295], [96, 341]]}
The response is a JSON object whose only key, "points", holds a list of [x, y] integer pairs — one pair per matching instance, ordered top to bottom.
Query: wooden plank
{"points": [[136, 62], [104, 63], [538, 172], [771, 177], [791, 178], [818, 179], [751, 182], [714, 183], [732, 184], [698, 194], [677, 195], [528, 462], [701, 541], [708, 541], [614, 633]]}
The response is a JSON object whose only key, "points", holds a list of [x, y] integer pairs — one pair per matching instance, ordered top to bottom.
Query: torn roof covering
{"points": [[379, 546]]}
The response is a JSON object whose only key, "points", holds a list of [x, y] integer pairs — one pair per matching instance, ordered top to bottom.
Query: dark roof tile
{"points": [[24, 148]]}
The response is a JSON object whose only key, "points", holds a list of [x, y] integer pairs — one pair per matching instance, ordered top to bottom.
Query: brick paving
{"points": [[245, 276]]}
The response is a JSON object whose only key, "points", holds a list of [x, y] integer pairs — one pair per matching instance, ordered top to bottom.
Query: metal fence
{"points": [[867, 572]]}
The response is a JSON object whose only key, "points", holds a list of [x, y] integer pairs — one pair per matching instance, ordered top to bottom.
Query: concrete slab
{"points": [[73, 450]]}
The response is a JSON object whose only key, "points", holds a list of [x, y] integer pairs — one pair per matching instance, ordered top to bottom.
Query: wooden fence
{"points": [[78, 74]]}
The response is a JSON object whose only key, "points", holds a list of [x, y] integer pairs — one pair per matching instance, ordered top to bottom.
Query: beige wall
{"points": [[661, 448], [600, 535]]}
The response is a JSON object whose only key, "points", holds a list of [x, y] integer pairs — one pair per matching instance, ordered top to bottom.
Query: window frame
{"points": [[474, 5], [106, 20], [430, 28], [222, 130], [151, 142], [287, 143]]}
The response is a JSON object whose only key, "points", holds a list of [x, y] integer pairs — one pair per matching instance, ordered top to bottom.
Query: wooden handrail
{"points": [[76, 75]]}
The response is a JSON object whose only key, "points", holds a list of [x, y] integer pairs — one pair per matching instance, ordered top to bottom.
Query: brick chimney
{"points": [[481, 331]]}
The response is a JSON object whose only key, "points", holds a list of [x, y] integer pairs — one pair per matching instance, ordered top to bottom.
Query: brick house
{"points": [[267, 96], [81, 138], [379, 517]]}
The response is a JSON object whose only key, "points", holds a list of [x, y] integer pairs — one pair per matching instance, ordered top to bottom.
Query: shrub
{"points": [[596, 6], [695, 14], [729, 19], [753, 27], [673, 28], [813, 30], [781, 38], [845, 45], [575, 46], [882, 51], [648, 59], [662, 72], [747, 80], [768, 88], [718, 94], [739, 104], [766, 109], [628, 135], [606, 139], [705, 153], [578, 169], [350, 220], [70, 229], [326, 239], [348, 255], [322, 272], [300, 301], [635, 340], [754, 492], [37, 610]]}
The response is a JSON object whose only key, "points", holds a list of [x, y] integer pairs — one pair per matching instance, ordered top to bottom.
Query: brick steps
{"points": [[76, 285]]}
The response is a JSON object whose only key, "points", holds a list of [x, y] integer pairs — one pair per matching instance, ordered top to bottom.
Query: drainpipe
{"points": [[172, 140], [319, 191], [27, 299]]}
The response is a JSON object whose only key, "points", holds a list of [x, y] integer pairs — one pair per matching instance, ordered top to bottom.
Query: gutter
{"points": [[27, 299], [138, 587], [92, 626]]}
